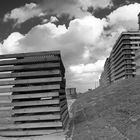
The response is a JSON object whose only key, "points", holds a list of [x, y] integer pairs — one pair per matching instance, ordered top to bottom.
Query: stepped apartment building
{"points": [[137, 61], [121, 64], [105, 76]]}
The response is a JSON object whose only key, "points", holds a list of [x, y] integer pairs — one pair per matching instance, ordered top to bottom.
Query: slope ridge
{"points": [[111, 112]]}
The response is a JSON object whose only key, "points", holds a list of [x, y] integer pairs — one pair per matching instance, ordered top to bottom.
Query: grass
{"points": [[117, 104]]}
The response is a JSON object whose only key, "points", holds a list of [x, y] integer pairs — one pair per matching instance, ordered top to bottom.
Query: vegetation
{"points": [[111, 112]]}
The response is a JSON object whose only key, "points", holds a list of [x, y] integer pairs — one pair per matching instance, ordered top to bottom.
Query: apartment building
{"points": [[123, 54], [137, 54], [122, 57], [137, 62], [105, 78]]}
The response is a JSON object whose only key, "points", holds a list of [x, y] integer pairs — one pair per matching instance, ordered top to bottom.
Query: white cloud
{"points": [[96, 3], [73, 7], [24, 13], [125, 16], [53, 19], [45, 21], [87, 29], [74, 42], [11, 44], [84, 44], [86, 54], [87, 68], [85, 76]]}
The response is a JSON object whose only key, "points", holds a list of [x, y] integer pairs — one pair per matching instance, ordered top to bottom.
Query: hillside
{"points": [[108, 113]]}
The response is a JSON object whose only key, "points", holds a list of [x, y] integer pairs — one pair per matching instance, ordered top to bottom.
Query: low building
{"points": [[71, 93]]}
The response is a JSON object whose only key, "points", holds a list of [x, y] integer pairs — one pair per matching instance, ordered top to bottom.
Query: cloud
{"points": [[96, 3], [71, 7], [77, 8], [24, 13], [125, 16], [53, 19], [75, 42], [11, 44], [84, 45], [91, 67], [85, 74]]}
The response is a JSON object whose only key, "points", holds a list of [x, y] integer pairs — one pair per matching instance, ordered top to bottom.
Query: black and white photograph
{"points": [[69, 69]]}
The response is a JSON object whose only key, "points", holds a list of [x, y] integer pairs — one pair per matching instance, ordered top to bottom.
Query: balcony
{"points": [[115, 49], [123, 51], [125, 54], [123, 60], [119, 71], [120, 75]]}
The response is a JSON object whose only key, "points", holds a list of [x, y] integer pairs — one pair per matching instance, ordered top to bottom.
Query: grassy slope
{"points": [[118, 105]]}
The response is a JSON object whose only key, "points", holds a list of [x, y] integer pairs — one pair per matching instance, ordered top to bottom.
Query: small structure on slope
{"points": [[71, 93]]}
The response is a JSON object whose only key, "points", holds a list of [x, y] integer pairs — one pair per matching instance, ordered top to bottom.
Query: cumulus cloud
{"points": [[96, 3], [71, 7], [77, 8], [24, 13], [125, 16], [53, 19], [75, 42], [11, 44], [84, 44], [87, 68], [85, 74]]}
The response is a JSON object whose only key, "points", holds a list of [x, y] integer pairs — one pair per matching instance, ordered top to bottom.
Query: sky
{"points": [[83, 30]]}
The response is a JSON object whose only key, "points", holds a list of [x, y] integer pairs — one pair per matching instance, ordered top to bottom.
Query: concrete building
{"points": [[139, 20], [123, 54], [137, 54], [122, 57], [137, 62], [105, 78], [33, 97]]}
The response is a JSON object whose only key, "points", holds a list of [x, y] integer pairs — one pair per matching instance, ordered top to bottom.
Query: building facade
{"points": [[122, 57], [137, 62], [105, 78], [33, 98]]}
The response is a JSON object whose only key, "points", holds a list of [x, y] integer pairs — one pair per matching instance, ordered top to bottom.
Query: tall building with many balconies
{"points": [[123, 54], [137, 62], [122, 64]]}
